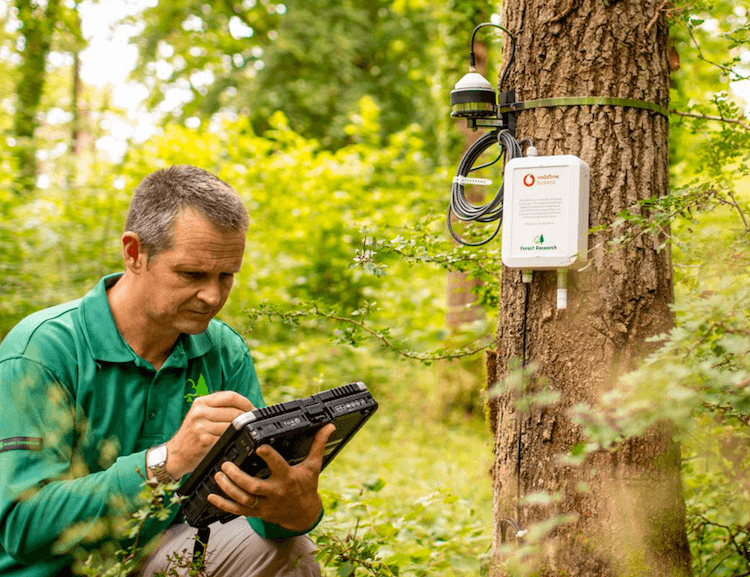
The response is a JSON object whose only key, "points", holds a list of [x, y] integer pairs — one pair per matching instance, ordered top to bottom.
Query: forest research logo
{"points": [[539, 244], [199, 390]]}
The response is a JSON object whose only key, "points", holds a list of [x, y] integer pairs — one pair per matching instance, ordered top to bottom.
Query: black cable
{"points": [[472, 57], [490, 163], [493, 210], [524, 363], [504, 523]]}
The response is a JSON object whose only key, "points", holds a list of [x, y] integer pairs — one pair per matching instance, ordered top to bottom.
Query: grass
{"points": [[413, 485]]}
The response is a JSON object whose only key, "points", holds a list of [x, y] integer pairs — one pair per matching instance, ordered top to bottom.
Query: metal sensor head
{"points": [[473, 97]]}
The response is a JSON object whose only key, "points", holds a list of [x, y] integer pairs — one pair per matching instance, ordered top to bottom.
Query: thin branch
{"points": [[566, 11], [656, 16], [719, 66], [709, 117], [734, 204], [444, 259], [478, 261], [409, 354], [424, 357], [719, 564]]}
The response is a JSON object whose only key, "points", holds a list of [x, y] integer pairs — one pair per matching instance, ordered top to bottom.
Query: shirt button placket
{"points": [[152, 426]]}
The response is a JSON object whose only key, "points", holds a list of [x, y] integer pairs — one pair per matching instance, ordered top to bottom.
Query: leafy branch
{"points": [[690, 25], [736, 121], [655, 215], [422, 246], [349, 336], [158, 505], [360, 534], [736, 542], [350, 552]]}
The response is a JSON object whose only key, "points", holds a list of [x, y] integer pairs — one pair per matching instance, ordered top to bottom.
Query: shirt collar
{"points": [[106, 342], [197, 345]]}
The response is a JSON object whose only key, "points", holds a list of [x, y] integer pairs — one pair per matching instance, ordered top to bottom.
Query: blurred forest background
{"points": [[331, 120]]}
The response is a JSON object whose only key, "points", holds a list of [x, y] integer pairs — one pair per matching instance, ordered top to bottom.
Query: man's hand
{"points": [[204, 423], [289, 497]]}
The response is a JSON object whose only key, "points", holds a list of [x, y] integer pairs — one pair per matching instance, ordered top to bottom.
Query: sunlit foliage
{"points": [[343, 157]]}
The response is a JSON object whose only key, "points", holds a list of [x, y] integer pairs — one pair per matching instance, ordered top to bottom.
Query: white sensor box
{"points": [[545, 212]]}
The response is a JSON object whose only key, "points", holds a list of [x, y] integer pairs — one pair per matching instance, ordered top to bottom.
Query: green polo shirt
{"points": [[79, 410]]}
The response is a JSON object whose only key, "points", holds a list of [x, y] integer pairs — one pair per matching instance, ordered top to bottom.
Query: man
{"points": [[99, 391]]}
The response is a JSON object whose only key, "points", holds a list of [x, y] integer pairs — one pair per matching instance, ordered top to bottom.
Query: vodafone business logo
{"points": [[529, 180]]}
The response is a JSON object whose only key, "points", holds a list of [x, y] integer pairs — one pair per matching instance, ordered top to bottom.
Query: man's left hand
{"points": [[289, 497]]}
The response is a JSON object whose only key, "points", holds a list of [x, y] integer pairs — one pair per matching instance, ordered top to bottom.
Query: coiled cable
{"points": [[493, 210]]}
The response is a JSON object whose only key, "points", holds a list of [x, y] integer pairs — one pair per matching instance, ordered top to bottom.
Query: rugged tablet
{"points": [[289, 428]]}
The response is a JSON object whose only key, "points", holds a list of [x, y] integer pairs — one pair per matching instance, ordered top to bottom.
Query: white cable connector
{"points": [[531, 151], [526, 275], [562, 288]]}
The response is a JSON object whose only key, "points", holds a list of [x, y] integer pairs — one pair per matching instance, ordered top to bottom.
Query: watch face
{"points": [[156, 456]]}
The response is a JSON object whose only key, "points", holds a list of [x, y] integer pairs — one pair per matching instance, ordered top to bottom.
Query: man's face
{"points": [[186, 286]]}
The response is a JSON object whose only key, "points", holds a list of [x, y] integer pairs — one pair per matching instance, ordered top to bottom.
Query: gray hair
{"points": [[164, 194]]}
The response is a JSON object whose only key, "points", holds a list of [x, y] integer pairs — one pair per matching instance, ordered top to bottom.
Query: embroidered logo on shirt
{"points": [[199, 390], [21, 444]]}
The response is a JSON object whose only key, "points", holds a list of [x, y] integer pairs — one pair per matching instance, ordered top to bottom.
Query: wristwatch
{"points": [[156, 461]]}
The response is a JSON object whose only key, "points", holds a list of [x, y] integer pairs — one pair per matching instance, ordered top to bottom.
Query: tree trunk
{"points": [[39, 21], [75, 105], [627, 508]]}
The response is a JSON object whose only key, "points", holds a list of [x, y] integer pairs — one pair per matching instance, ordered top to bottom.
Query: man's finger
{"points": [[227, 399], [223, 415], [317, 450], [276, 463], [246, 482], [234, 491], [231, 506]]}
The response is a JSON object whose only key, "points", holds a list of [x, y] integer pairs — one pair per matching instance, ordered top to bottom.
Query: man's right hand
{"points": [[204, 423]]}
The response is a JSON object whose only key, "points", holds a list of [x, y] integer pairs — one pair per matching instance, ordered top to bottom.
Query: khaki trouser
{"points": [[235, 550]]}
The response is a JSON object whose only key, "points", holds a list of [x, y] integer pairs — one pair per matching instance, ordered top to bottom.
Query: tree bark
{"points": [[626, 507]]}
